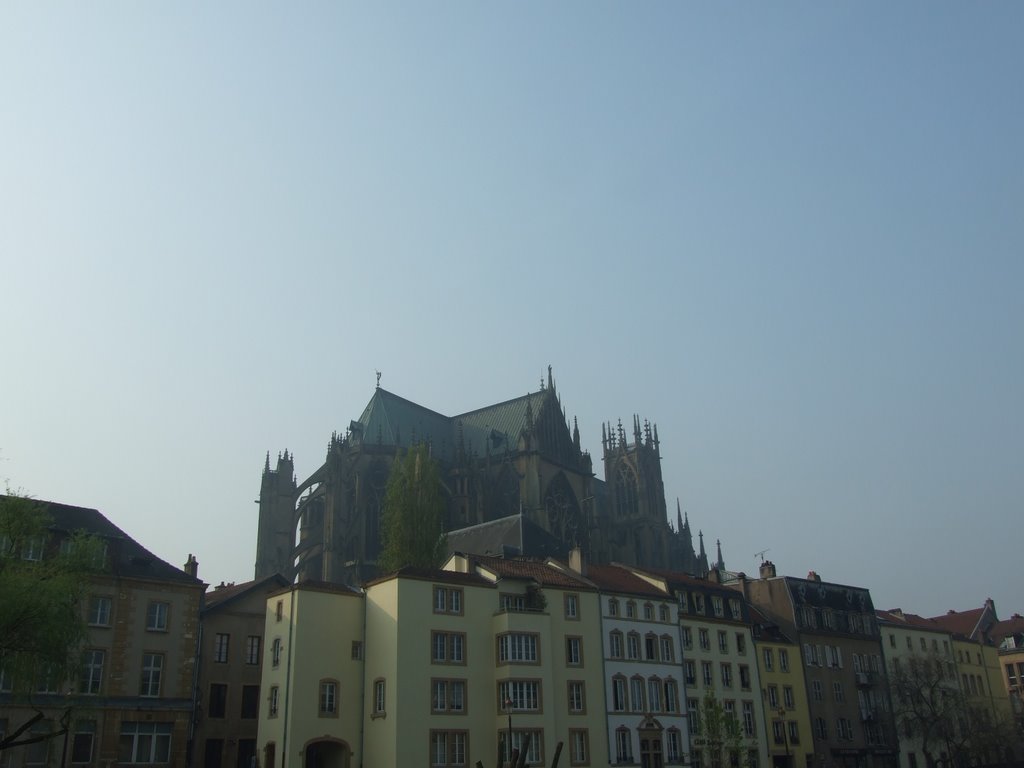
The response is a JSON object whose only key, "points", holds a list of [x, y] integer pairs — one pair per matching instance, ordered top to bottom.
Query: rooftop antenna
{"points": [[761, 554]]}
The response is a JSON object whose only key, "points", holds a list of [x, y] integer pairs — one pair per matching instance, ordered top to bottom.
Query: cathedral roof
{"points": [[393, 420]]}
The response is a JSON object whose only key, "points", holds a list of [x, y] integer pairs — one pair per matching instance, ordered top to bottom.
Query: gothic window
{"points": [[626, 492]]}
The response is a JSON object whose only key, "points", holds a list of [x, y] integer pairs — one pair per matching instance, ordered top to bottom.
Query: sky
{"points": [[789, 234]]}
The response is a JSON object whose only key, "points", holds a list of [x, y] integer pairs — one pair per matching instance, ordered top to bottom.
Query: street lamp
{"points": [[508, 708], [785, 736]]}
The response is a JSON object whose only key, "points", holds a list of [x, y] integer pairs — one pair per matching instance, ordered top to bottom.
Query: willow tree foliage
{"points": [[413, 518]]}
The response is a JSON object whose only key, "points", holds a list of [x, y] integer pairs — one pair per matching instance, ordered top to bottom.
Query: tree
{"points": [[413, 519], [42, 586], [930, 706], [721, 733]]}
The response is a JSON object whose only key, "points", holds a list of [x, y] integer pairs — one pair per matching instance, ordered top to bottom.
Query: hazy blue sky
{"points": [[791, 234]]}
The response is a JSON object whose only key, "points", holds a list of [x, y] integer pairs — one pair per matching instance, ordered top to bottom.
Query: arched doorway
{"points": [[326, 753], [651, 755]]}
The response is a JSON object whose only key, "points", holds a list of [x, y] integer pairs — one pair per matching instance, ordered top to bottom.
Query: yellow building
{"points": [[784, 692], [311, 707]]}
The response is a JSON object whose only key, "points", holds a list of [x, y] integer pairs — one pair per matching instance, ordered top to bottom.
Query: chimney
{"points": [[578, 561], [192, 566], [767, 570], [714, 576], [813, 576]]}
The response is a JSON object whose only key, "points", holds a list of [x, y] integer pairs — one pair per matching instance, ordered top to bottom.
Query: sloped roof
{"points": [[393, 420], [495, 423], [514, 533], [126, 558], [535, 570], [433, 574], [615, 578], [218, 597], [899, 617], [960, 622], [1011, 627]]}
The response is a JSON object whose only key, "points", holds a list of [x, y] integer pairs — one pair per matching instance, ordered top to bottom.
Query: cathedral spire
{"points": [[551, 383], [575, 434], [266, 466], [679, 516], [719, 563]]}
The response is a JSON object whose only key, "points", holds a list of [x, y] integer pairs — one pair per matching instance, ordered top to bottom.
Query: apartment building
{"points": [[232, 623], [719, 666], [644, 693], [784, 694], [848, 698], [132, 699]]}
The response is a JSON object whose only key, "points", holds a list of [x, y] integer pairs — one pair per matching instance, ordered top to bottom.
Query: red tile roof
{"points": [[525, 568], [615, 578], [897, 616], [960, 622]]}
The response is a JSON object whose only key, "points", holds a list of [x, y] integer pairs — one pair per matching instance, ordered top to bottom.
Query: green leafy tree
{"points": [[413, 519], [42, 586], [720, 733]]}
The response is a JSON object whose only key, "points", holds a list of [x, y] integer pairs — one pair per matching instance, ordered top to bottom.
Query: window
{"points": [[33, 548], [447, 600], [683, 602], [698, 603], [716, 604], [572, 607], [613, 607], [734, 609], [279, 610], [630, 610], [99, 611], [648, 612], [663, 613], [156, 616], [687, 638], [705, 639], [892, 640], [723, 642], [741, 643], [615, 645], [633, 645], [220, 647], [448, 647], [517, 648], [650, 648], [252, 649], [666, 649], [357, 650], [574, 651], [275, 652], [768, 659], [783, 659], [152, 668], [726, 670], [92, 672], [690, 672], [707, 674], [744, 677], [47, 682], [816, 690], [837, 691], [619, 694], [636, 694], [524, 695], [654, 695], [274, 696], [448, 696], [671, 696], [773, 696], [787, 696], [379, 697], [577, 697], [328, 699], [250, 701], [218, 703], [693, 710], [748, 719], [820, 728], [844, 729], [779, 731], [794, 732], [533, 740], [82, 741], [145, 743], [673, 745], [623, 746], [448, 748], [579, 748], [39, 752]]}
